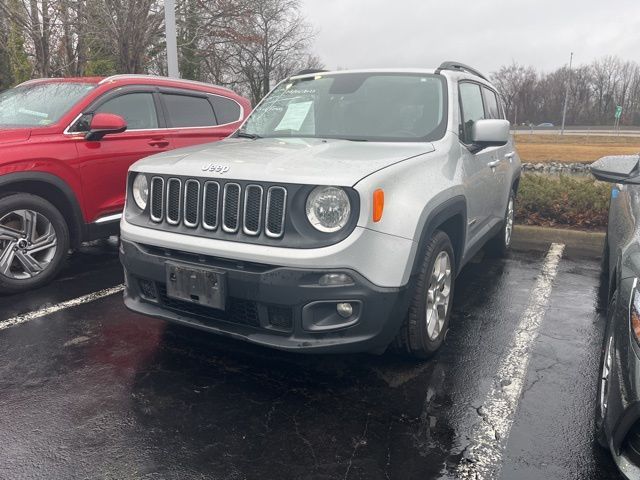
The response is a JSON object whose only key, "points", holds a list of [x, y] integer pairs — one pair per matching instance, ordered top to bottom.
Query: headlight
{"points": [[140, 191], [328, 208]]}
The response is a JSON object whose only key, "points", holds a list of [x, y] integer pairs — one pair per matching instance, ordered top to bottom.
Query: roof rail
{"points": [[460, 67], [309, 71], [124, 76]]}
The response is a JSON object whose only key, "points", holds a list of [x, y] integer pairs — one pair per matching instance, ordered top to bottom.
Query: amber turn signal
{"points": [[378, 204], [635, 322]]}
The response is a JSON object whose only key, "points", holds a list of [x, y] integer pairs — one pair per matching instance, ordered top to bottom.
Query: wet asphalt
{"points": [[95, 391]]}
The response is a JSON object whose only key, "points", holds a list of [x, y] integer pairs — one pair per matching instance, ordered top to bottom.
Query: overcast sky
{"points": [[483, 33]]}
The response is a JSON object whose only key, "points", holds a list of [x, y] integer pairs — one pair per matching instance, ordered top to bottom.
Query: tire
{"points": [[34, 242], [499, 245], [604, 262], [603, 285], [419, 336], [605, 358]]}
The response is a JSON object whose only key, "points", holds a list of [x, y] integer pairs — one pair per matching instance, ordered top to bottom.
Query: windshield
{"points": [[39, 104], [354, 106]]}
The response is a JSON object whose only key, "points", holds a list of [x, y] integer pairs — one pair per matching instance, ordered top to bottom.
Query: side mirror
{"points": [[103, 124], [490, 133], [617, 169]]}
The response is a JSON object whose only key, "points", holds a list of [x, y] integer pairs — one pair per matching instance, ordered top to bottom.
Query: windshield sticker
{"points": [[295, 116]]}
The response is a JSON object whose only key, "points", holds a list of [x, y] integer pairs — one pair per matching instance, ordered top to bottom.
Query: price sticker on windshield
{"points": [[295, 116]]}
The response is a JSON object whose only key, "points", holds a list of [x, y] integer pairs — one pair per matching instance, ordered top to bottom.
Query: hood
{"points": [[13, 135], [302, 161]]}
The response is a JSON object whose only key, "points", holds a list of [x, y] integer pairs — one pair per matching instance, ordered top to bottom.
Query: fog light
{"points": [[333, 279], [148, 290], [345, 310]]}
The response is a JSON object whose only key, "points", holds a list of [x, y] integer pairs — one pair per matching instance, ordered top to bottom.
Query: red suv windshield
{"points": [[41, 104]]}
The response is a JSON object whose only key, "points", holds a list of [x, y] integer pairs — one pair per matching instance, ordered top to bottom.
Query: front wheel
{"points": [[34, 241], [427, 321], [604, 381]]}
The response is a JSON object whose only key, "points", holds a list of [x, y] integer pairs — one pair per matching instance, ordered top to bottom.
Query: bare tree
{"points": [[36, 18], [127, 29], [206, 31], [73, 42], [271, 43], [606, 75], [6, 78], [516, 83], [595, 91]]}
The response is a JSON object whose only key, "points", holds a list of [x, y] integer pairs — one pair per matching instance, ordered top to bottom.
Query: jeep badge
{"points": [[213, 168]]}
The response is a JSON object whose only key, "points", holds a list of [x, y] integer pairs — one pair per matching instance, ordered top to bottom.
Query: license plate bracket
{"points": [[199, 285]]}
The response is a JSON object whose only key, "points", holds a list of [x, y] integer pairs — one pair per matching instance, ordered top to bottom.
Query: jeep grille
{"points": [[252, 209]]}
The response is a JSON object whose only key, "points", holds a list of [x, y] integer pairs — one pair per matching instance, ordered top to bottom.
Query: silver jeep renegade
{"points": [[334, 220]]}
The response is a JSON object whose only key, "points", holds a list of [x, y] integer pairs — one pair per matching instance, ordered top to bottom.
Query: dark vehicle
{"points": [[618, 402]]}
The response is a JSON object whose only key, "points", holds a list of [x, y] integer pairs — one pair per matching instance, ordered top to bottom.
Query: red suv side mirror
{"points": [[103, 124]]}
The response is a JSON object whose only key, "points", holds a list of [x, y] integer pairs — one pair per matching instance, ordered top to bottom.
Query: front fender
{"points": [[51, 171]]}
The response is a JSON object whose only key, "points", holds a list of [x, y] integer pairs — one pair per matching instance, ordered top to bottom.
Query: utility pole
{"points": [[171, 40], [566, 96]]}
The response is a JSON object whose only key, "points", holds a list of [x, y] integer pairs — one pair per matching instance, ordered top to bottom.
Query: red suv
{"points": [[66, 146]]}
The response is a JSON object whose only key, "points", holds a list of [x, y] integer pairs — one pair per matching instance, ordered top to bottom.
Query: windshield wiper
{"points": [[252, 136]]}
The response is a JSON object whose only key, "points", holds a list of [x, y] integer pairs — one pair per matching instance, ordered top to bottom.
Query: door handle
{"points": [[159, 143], [509, 156], [493, 164]]}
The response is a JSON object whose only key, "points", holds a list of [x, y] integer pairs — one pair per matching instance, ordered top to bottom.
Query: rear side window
{"points": [[491, 104], [471, 109], [138, 110], [188, 111], [227, 111]]}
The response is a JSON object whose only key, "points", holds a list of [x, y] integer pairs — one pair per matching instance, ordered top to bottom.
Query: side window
{"points": [[491, 104], [471, 109], [138, 110], [188, 111], [227, 111]]}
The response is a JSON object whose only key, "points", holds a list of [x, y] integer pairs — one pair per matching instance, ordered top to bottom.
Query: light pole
{"points": [[171, 40], [566, 96]]}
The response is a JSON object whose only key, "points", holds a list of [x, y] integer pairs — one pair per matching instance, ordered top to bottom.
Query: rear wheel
{"points": [[34, 241], [501, 243], [427, 321]]}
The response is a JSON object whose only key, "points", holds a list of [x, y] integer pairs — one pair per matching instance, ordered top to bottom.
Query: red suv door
{"points": [[196, 117], [104, 163]]}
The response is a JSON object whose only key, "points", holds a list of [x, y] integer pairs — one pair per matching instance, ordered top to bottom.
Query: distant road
{"points": [[578, 131]]}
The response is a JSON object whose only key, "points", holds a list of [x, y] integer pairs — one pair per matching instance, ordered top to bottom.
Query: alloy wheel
{"points": [[509, 223], [28, 244], [438, 295], [604, 378]]}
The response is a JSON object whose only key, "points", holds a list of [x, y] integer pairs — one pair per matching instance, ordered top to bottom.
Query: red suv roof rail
{"points": [[127, 76], [92, 80]]}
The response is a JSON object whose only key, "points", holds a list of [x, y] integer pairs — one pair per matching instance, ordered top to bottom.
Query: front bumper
{"points": [[384, 260], [269, 305], [622, 424]]}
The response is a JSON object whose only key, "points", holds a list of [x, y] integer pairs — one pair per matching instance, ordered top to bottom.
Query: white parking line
{"points": [[91, 297], [483, 459]]}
